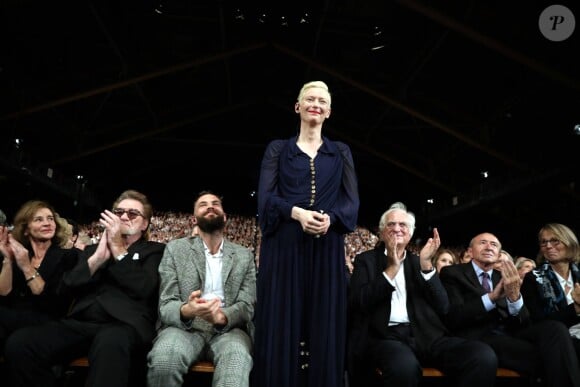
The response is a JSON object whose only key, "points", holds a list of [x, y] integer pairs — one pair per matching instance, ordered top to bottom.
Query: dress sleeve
{"points": [[271, 207], [346, 211]]}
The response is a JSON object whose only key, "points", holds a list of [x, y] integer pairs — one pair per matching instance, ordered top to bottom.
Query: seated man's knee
{"points": [[235, 350], [484, 356], [163, 359], [402, 370]]}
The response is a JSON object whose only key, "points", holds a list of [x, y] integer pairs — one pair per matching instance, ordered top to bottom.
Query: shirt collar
{"points": [[324, 148], [219, 254], [479, 270], [563, 281]]}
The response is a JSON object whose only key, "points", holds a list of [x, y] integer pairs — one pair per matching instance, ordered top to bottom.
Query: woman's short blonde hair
{"points": [[314, 84]]}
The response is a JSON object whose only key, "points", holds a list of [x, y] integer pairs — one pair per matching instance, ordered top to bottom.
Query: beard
{"points": [[212, 224], [129, 231]]}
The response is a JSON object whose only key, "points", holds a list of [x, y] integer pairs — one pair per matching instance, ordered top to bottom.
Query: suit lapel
{"points": [[199, 258], [227, 264], [472, 276]]}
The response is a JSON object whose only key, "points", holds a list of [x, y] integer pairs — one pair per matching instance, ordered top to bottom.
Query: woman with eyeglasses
{"points": [[552, 290]]}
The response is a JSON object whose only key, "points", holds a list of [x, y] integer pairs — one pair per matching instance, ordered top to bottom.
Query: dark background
{"points": [[174, 96]]}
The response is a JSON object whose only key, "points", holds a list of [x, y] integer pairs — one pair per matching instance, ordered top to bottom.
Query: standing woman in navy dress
{"points": [[307, 200]]}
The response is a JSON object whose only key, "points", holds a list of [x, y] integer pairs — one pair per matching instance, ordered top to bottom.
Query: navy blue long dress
{"points": [[301, 287]]}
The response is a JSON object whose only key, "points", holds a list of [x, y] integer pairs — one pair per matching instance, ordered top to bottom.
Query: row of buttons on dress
{"points": [[312, 183], [304, 355]]}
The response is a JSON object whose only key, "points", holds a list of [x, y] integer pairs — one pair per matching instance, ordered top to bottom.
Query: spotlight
{"points": [[238, 15], [305, 18], [262, 19], [377, 41], [577, 129], [484, 174]]}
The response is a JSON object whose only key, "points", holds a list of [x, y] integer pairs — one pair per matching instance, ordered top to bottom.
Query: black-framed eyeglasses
{"points": [[131, 212], [554, 242]]}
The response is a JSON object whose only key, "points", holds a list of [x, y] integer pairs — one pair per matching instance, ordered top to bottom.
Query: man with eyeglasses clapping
{"points": [[397, 304], [112, 320]]}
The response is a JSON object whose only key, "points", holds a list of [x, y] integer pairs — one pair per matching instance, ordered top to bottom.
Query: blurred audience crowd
{"points": [[166, 226]]}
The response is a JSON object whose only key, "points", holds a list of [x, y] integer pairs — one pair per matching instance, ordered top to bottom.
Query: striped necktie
{"points": [[485, 282]]}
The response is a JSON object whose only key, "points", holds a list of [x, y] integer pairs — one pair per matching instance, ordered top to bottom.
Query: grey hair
{"points": [[398, 206]]}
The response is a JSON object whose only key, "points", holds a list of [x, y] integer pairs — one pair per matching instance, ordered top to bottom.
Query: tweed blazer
{"points": [[182, 271]]}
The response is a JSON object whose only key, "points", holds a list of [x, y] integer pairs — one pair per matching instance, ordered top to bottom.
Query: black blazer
{"points": [[128, 289], [369, 304], [537, 305], [467, 316]]}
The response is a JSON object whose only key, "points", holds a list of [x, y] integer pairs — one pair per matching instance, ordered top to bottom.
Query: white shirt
{"points": [[213, 274], [563, 284], [399, 313], [574, 329]]}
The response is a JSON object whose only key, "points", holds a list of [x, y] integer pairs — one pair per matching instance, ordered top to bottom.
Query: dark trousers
{"points": [[14, 319], [114, 350], [543, 350], [468, 363]]}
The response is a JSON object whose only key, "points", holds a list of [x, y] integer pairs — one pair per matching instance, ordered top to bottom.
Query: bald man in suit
{"points": [[496, 313]]}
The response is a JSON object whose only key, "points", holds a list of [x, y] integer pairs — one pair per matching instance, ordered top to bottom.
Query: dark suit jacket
{"points": [[128, 290], [369, 303], [467, 316]]}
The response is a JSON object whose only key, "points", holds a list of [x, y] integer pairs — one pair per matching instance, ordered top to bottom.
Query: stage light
{"points": [[238, 15], [262, 19]]}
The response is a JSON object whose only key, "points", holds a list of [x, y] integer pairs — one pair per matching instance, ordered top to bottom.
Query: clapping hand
{"points": [[429, 250], [510, 279]]}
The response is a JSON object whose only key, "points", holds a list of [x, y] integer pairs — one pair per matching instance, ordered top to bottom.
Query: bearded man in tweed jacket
{"points": [[206, 303]]}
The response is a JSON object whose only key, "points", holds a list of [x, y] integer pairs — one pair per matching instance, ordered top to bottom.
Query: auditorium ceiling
{"points": [[463, 110]]}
